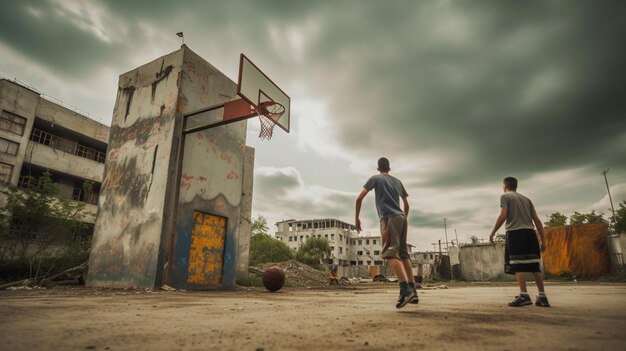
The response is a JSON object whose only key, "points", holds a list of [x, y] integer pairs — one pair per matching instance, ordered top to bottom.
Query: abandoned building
{"points": [[38, 134], [347, 247]]}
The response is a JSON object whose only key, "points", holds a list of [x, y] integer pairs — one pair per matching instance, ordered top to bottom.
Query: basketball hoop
{"points": [[269, 113]]}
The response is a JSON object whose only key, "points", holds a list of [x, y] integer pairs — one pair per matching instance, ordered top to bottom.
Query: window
{"points": [[12, 123], [8, 147], [5, 172], [326, 236], [332, 236], [301, 237], [340, 237], [289, 238], [374, 241], [360, 242], [367, 242], [332, 248], [340, 249], [376, 252], [360, 253], [425, 255], [431, 256], [353, 263], [360, 263], [369, 263], [378, 263]]}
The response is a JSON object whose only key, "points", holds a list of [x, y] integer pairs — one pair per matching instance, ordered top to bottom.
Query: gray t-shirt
{"points": [[388, 190], [520, 211]]}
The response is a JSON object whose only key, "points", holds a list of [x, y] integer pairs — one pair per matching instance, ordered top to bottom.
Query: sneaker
{"points": [[405, 297], [416, 299], [521, 301], [542, 301]]}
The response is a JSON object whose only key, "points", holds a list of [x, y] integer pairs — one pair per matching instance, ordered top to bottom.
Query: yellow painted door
{"points": [[206, 254]]}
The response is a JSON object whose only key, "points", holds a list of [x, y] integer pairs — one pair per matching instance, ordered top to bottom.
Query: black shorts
{"points": [[521, 251]]}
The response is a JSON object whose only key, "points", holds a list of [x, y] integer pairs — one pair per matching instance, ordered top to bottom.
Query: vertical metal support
{"points": [[608, 190]]}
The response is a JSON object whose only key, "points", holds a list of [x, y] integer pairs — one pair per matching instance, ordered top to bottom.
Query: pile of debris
{"points": [[298, 274]]}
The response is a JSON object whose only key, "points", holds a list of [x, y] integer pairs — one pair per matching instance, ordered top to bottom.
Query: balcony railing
{"points": [[65, 145], [78, 194]]}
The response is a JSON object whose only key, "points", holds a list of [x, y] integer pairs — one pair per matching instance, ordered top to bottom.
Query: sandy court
{"points": [[584, 317]]}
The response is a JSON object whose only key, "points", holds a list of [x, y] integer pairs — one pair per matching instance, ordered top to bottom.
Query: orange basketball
{"points": [[273, 278]]}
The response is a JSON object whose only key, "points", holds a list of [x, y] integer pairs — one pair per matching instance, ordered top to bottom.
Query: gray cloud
{"points": [[484, 89]]}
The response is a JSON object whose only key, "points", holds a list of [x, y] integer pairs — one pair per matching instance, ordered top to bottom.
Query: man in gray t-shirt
{"points": [[393, 227], [522, 247]]}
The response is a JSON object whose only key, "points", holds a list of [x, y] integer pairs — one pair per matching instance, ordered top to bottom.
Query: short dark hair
{"points": [[383, 164], [510, 183]]}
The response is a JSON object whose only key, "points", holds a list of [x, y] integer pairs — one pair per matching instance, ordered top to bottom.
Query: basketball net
{"points": [[269, 113]]}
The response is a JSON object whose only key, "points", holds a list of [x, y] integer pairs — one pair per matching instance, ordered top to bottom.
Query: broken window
{"points": [[12, 123], [8, 146], [6, 171]]}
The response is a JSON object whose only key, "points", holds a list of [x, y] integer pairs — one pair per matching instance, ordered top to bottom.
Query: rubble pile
{"points": [[299, 274]]}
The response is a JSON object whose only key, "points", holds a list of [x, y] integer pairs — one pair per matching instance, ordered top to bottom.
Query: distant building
{"points": [[37, 134], [347, 247]]}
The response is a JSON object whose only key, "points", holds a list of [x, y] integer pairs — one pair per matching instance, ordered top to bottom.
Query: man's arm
{"points": [[405, 200], [359, 201], [501, 219], [539, 227]]}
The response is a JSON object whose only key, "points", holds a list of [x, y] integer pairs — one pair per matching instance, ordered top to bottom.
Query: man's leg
{"points": [[398, 268], [408, 270], [521, 281], [539, 281], [523, 299], [542, 299]]}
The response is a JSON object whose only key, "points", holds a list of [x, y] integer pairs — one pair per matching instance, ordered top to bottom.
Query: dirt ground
{"points": [[363, 317]]}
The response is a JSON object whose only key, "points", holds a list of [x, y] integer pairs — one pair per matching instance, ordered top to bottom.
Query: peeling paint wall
{"points": [[212, 176], [156, 213], [128, 229], [483, 262]]}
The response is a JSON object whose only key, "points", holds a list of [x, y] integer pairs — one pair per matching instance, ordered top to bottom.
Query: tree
{"points": [[587, 218], [620, 218], [556, 219], [39, 225], [259, 226], [474, 239], [264, 248], [313, 251]]}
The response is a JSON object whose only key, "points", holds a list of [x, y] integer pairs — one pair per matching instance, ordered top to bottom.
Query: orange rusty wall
{"points": [[582, 250]]}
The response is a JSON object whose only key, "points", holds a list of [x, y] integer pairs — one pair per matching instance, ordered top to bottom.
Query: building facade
{"points": [[37, 134], [347, 247]]}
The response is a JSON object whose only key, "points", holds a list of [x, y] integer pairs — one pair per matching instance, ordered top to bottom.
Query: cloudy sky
{"points": [[457, 94]]}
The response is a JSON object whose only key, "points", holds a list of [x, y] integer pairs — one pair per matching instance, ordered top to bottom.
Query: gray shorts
{"points": [[393, 231]]}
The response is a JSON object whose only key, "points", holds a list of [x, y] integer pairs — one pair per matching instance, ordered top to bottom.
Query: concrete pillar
{"points": [[166, 216]]}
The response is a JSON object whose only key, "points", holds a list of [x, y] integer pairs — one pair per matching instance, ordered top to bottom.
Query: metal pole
{"points": [[604, 172], [445, 228], [457, 237]]}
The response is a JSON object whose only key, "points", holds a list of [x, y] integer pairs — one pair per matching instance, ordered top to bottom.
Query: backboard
{"points": [[259, 91]]}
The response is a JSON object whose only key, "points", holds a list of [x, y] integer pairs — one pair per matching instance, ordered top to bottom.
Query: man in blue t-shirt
{"points": [[393, 227]]}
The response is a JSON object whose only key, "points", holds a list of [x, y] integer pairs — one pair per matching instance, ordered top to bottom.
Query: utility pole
{"points": [[604, 172], [445, 228], [457, 237]]}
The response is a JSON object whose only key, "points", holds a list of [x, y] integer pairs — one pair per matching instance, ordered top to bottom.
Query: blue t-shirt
{"points": [[388, 190]]}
